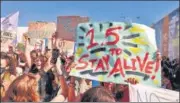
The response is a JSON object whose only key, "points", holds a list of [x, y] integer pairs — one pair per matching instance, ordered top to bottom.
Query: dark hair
{"points": [[33, 52], [4, 55], [63, 61], [10, 63], [33, 69], [171, 70], [102, 84], [97, 94], [119, 95]]}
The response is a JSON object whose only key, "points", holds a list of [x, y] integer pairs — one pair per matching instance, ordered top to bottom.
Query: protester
{"points": [[33, 55], [21, 62], [8, 72], [170, 74], [45, 77], [165, 81], [54, 87], [23, 89], [122, 93], [97, 94]]}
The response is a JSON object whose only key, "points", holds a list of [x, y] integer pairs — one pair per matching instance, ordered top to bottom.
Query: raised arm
{"points": [[27, 52], [63, 85], [71, 90]]}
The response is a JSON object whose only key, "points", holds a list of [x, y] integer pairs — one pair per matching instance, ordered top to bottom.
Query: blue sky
{"points": [[148, 11]]}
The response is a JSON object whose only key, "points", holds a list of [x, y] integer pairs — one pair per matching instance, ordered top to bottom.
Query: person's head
{"points": [[20, 48], [10, 49], [33, 54], [163, 57], [4, 60], [39, 61], [7, 63], [33, 69], [109, 86], [121, 87], [23, 89], [119, 91], [97, 94], [118, 95]]}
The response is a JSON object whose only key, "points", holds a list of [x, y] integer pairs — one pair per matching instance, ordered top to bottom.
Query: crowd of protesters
{"points": [[170, 74], [33, 76]]}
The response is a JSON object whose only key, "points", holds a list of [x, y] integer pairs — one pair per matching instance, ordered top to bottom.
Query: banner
{"points": [[9, 26], [66, 27], [40, 31], [174, 34], [117, 52], [142, 93]]}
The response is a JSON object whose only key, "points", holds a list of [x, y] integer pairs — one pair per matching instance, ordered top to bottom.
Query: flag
{"points": [[10, 23], [9, 26]]}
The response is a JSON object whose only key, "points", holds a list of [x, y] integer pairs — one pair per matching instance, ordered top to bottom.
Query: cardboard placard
{"points": [[117, 52]]}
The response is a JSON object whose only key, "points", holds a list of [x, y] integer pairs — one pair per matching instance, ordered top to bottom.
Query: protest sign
{"points": [[66, 26], [8, 30], [41, 30], [20, 32], [65, 46], [117, 52], [142, 93]]}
